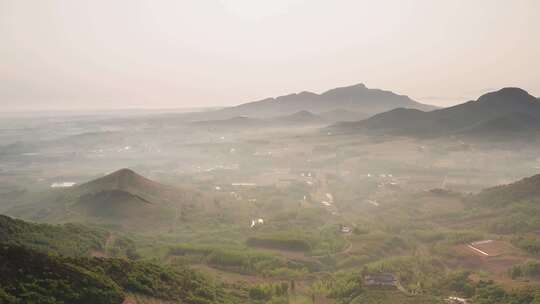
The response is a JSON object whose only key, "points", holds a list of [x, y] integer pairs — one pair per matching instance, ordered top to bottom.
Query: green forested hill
{"points": [[527, 189], [513, 208], [68, 239], [41, 263], [29, 276]]}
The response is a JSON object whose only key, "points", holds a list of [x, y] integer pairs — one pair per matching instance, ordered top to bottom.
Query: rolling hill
{"points": [[356, 98], [507, 111], [339, 115], [301, 118], [237, 122], [242, 123], [512, 123], [127, 181], [527, 189], [126, 195], [123, 199], [511, 209]]}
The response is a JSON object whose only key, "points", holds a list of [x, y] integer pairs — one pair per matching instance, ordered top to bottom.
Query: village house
{"points": [[345, 229], [382, 279], [456, 300]]}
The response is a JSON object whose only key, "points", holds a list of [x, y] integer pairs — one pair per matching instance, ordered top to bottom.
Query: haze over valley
{"points": [[227, 152]]}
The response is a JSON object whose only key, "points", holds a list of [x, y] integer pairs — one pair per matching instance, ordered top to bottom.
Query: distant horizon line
{"points": [[425, 100], [100, 110]]}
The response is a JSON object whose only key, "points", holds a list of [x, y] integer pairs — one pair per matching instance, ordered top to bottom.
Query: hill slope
{"points": [[508, 110], [299, 118], [237, 122], [243, 123], [126, 180], [527, 189], [127, 196], [123, 199], [512, 209], [68, 239], [30, 276]]}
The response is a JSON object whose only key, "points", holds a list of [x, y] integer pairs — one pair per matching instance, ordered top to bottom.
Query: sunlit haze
{"points": [[74, 54], [270, 151]]}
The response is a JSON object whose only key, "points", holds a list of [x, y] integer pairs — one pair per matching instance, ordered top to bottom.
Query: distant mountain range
{"points": [[356, 100], [499, 113], [298, 119]]}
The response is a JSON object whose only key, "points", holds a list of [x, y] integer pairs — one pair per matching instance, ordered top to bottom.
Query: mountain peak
{"points": [[354, 86], [348, 89], [306, 93], [506, 95], [303, 113], [300, 117], [125, 172], [124, 176], [122, 179], [123, 186]]}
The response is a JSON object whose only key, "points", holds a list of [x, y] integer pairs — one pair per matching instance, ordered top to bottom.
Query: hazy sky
{"points": [[82, 54]]}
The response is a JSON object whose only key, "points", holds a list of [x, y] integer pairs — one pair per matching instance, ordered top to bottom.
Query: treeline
{"points": [[518, 218], [448, 236], [281, 242], [531, 244], [239, 260], [529, 269], [416, 274], [348, 288], [277, 292], [487, 292]]}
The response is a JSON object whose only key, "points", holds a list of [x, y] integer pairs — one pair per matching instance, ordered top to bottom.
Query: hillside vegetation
{"points": [[68, 239], [29, 276]]}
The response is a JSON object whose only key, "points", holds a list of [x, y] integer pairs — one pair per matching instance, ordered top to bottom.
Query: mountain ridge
{"points": [[356, 98], [490, 112]]}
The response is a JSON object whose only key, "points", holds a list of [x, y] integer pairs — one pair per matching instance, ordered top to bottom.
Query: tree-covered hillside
{"points": [[68, 239], [29, 276]]}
